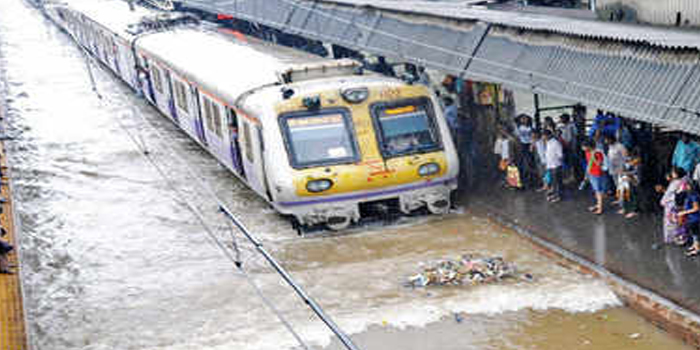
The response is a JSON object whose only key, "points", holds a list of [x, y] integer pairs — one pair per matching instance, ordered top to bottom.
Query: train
{"points": [[322, 140]]}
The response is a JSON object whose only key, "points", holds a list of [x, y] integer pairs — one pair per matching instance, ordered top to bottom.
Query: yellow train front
{"points": [[336, 145]]}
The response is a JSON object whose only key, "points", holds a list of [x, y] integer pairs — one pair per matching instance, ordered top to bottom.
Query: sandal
{"points": [[592, 209], [630, 215], [692, 253]]}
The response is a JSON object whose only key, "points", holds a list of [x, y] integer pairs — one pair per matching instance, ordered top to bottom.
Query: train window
{"points": [[157, 79], [181, 96], [208, 113], [212, 114], [216, 116], [406, 127], [319, 138], [248, 143]]}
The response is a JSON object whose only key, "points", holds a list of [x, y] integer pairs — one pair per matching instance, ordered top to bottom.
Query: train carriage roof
{"points": [[112, 15], [226, 65]]}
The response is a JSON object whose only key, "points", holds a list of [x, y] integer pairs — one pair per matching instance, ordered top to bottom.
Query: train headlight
{"points": [[355, 95], [428, 169], [321, 185]]}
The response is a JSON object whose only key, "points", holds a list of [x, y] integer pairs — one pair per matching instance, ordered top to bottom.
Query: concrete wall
{"points": [[663, 12]]}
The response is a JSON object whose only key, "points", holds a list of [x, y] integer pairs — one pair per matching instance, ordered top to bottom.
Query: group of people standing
{"points": [[542, 157], [607, 159], [680, 201]]}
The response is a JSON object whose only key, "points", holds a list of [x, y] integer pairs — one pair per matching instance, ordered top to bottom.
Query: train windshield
{"points": [[406, 127], [319, 138]]}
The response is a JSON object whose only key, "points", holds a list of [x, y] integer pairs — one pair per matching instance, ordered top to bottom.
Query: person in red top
{"points": [[595, 173]]}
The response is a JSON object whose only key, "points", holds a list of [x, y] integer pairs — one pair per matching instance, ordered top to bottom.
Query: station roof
{"points": [[664, 37], [648, 74]]}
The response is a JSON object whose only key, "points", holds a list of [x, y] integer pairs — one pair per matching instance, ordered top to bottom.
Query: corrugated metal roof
{"points": [[593, 29], [370, 31], [642, 83], [659, 84]]}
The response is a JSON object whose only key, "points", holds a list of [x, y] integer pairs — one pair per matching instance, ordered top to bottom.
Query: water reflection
{"points": [[599, 241]]}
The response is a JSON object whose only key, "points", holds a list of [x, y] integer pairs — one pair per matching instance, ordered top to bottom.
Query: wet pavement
{"points": [[630, 248], [116, 261]]}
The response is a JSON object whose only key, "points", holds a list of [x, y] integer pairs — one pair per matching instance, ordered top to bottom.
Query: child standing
{"points": [[539, 149], [627, 186]]}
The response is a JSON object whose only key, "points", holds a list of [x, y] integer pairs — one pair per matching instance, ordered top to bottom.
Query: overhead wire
{"points": [[200, 217], [344, 339]]}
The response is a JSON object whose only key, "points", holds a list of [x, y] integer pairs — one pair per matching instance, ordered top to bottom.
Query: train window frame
{"points": [[157, 78], [181, 98], [423, 101], [206, 105], [216, 108], [212, 114], [349, 128], [248, 143]]}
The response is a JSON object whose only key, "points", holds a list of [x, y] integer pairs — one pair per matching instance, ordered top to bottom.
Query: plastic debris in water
{"points": [[469, 269]]}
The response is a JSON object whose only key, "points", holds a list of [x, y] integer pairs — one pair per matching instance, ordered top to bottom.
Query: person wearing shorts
{"points": [[596, 175]]}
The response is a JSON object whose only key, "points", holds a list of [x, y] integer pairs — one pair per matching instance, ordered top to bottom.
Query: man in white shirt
{"points": [[554, 157], [616, 160]]}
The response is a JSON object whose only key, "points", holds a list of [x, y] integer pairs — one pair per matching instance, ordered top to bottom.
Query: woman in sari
{"points": [[677, 183]]}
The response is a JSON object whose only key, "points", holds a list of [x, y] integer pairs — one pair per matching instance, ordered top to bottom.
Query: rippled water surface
{"points": [[116, 259]]}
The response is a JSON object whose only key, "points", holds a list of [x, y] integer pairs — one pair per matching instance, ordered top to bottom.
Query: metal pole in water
{"points": [[344, 339]]}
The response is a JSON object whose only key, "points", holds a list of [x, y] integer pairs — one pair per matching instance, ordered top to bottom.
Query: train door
{"points": [[115, 55], [128, 71], [146, 79], [159, 88], [171, 97], [184, 106], [212, 113], [197, 115], [234, 147], [251, 147]]}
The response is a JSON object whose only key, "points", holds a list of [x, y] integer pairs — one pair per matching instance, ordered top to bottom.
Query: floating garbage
{"points": [[469, 269]]}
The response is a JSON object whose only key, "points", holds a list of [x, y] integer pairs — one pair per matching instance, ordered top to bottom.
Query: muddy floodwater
{"points": [[116, 258], [561, 309]]}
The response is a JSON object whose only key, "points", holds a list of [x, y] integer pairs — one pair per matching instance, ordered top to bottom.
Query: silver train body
{"points": [[310, 135]]}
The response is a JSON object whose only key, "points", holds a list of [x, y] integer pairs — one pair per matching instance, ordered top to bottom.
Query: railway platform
{"points": [[611, 245], [13, 333]]}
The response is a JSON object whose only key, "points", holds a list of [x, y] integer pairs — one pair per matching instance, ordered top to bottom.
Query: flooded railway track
{"points": [[115, 260]]}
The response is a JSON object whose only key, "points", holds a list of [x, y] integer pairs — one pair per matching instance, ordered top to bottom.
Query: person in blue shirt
{"points": [[450, 113], [599, 118], [608, 124], [611, 125], [686, 154], [691, 217]]}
